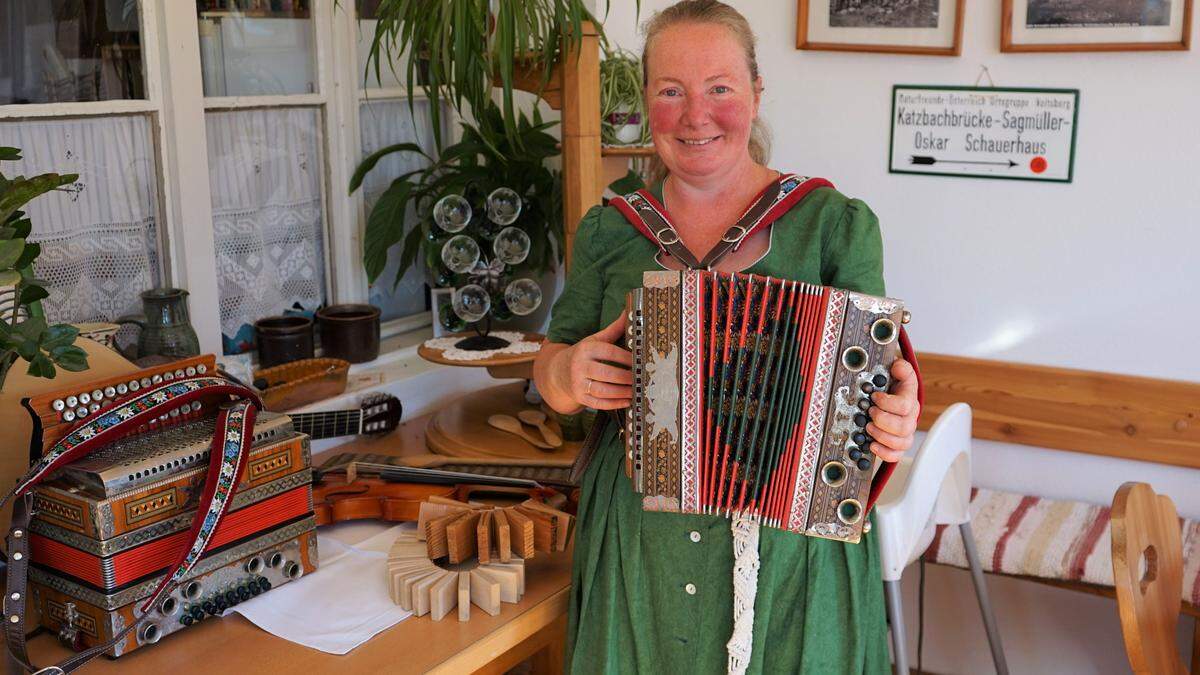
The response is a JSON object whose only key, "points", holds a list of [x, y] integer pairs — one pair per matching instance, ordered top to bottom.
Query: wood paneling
{"points": [[1085, 411]]}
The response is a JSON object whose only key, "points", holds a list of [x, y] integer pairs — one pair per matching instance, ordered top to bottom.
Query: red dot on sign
{"points": [[1037, 164]]}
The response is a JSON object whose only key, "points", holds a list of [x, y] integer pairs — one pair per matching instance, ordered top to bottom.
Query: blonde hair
{"points": [[714, 12]]}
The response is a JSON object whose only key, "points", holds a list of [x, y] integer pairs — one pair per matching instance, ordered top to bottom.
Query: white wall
{"points": [[1098, 274]]}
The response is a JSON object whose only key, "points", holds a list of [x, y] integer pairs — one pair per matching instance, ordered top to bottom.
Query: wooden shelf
{"points": [[628, 151]]}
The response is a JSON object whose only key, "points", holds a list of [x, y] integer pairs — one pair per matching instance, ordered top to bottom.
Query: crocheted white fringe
{"points": [[517, 346], [745, 588]]}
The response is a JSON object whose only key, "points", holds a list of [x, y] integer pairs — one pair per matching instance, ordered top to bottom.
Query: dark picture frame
{"points": [[819, 23], [1100, 26]]}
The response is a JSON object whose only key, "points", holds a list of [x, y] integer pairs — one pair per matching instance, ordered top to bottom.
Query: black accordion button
{"points": [[880, 381], [867, 387], [864, 404], [860, 420], [859, 438], [855, 454], [864, 464], [264, 584], [243, 593], [231, 597], [210, 607], [196, 613], [186, 620]]}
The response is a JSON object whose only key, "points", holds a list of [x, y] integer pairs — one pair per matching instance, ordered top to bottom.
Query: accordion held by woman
{"points": [[751, 397]]}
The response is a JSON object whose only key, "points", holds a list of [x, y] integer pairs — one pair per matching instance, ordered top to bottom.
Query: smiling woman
{"points": [[656, 591]]}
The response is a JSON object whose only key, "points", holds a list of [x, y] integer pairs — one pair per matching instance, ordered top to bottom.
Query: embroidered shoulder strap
{"points": [[650, 218], [232, 438]]}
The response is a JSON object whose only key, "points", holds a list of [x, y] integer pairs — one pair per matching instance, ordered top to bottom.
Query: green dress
{"points": [[653, 592]]}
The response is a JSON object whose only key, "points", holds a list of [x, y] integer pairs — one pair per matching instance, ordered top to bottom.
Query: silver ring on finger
{"points": [[588, 389]]}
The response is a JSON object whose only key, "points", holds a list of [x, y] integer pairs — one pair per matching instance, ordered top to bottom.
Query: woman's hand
{"points": [[594, 372], [894, 415]]}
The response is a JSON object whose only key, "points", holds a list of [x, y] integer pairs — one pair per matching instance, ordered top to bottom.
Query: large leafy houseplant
{"points": [[472, 167], [24, 334]]}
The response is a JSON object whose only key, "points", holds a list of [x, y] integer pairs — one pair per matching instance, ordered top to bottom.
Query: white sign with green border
{"points": [[984, 132]]}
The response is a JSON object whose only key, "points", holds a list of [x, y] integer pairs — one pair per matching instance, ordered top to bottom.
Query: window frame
{"points": [[176, 107]]}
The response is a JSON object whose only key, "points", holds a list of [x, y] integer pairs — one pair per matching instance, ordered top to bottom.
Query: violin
{"points": [[395, 493]]}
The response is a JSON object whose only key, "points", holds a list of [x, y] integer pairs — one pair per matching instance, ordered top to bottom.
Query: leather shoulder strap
{"points": [[650, 218]]}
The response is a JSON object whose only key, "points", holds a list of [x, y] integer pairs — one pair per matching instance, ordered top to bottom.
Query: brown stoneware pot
{"points": [[349, 332], [283, 339]]}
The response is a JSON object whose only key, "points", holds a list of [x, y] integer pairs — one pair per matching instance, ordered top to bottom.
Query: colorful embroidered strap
{"points": [[650, 218], [231, 442]]}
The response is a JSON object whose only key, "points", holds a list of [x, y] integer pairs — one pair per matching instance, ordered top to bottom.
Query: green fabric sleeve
{"points": [[852, 252], [576, 313]]}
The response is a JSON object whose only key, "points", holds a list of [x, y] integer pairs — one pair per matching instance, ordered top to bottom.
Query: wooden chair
{"points": [[1147, 560]]}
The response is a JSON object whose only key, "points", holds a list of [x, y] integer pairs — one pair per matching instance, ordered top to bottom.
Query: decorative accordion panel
{"points": [[751, 396]]}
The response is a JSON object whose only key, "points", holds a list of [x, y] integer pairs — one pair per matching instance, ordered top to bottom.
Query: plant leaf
{"points": [[9, 154], [372, 159], [630, 182], [23, 190], [385, 226], [10, 252], [31, 253], [32, 293], [58, 335], [72, 359], [41, 366]]}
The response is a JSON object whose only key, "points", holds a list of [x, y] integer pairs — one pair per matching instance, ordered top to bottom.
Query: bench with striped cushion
{"points": [[1053, 540]]}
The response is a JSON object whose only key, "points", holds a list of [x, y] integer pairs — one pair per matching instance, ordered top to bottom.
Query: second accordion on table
{"points": [[751, 397]]}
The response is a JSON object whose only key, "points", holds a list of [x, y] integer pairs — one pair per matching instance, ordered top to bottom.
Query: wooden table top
{"points": [[417, 644]]}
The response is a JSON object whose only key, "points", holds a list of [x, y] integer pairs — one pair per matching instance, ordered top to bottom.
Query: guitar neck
{"points": [[331, 424]]}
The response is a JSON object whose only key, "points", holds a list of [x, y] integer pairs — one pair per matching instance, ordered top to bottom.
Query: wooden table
{"points": [[534, 627]]}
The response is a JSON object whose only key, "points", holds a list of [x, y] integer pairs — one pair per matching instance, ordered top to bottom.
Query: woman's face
{"points": [[700, 99]]}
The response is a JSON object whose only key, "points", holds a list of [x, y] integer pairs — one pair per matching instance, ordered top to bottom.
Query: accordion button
{"points": [[201, 369], [191, 371], [179, 373], [167, 377], [157, 379], [879, 381], [146, 382], [134, 385], [867, 387], [111, 391], [98, 395], [85, 398], [72, 401], [864, 403], [59, 405], [95, 407], [81, 412], [69, 416], [860, 420], [859, 437], [855, 454], [864, 464], [694, 536], [690, 589], [186, 620]]}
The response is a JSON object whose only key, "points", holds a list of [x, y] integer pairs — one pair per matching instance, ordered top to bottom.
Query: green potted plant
{"points": [[455, 50], [622, 109], [472, 168], [24, 333]]}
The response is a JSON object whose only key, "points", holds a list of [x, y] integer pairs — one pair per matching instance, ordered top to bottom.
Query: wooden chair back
{"points": [[1147, 560]]}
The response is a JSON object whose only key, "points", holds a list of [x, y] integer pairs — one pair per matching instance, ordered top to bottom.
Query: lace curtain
{"points": [[383, 123], [265, 171], [100, 240]]}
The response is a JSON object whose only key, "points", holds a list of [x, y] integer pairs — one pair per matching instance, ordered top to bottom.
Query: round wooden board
{"points": [[435, 355], [460, 429]]}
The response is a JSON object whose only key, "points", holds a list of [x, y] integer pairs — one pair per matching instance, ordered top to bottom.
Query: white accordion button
{"points": [[202, 369], [191, 371], [179, 373], [167, 377], [157, 379], [146, 382], [134, 385], [111, 391], [97, 395], [85, 398], [72, 401], [59, 405], [95, 407], [81, 412], [69, 416], [694, 536], [690, 588]]}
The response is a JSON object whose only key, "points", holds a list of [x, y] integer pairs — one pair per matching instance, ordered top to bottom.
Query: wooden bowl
{"points": [[299, 383]]}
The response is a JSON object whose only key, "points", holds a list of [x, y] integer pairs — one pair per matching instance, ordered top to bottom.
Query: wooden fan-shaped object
{"points": [[466, 553]]}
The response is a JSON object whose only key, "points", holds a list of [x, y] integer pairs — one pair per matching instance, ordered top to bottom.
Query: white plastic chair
{"points": [[931, 487]]}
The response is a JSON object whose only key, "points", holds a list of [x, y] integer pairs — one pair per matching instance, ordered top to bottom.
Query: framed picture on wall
{"points": [[1095, 25], [931, 27]]}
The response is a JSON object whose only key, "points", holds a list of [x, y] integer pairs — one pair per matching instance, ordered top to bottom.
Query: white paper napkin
{"points": [[340, 606]]}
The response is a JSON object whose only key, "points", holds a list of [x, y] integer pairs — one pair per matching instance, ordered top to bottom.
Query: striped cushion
{"points": [[1049, 538]]}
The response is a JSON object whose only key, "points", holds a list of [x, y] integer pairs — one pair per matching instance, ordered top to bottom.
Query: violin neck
{"points": [[330, 424]]}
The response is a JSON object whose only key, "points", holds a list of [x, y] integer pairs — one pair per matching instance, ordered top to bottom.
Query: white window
{"points": [[214, 141]]}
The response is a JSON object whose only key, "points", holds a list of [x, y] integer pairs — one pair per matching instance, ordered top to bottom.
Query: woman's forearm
{"points": [[548, 381]]}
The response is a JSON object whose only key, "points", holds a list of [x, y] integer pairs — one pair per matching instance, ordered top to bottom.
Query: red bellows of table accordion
{"points": [[804, 305], [147, 559]]}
